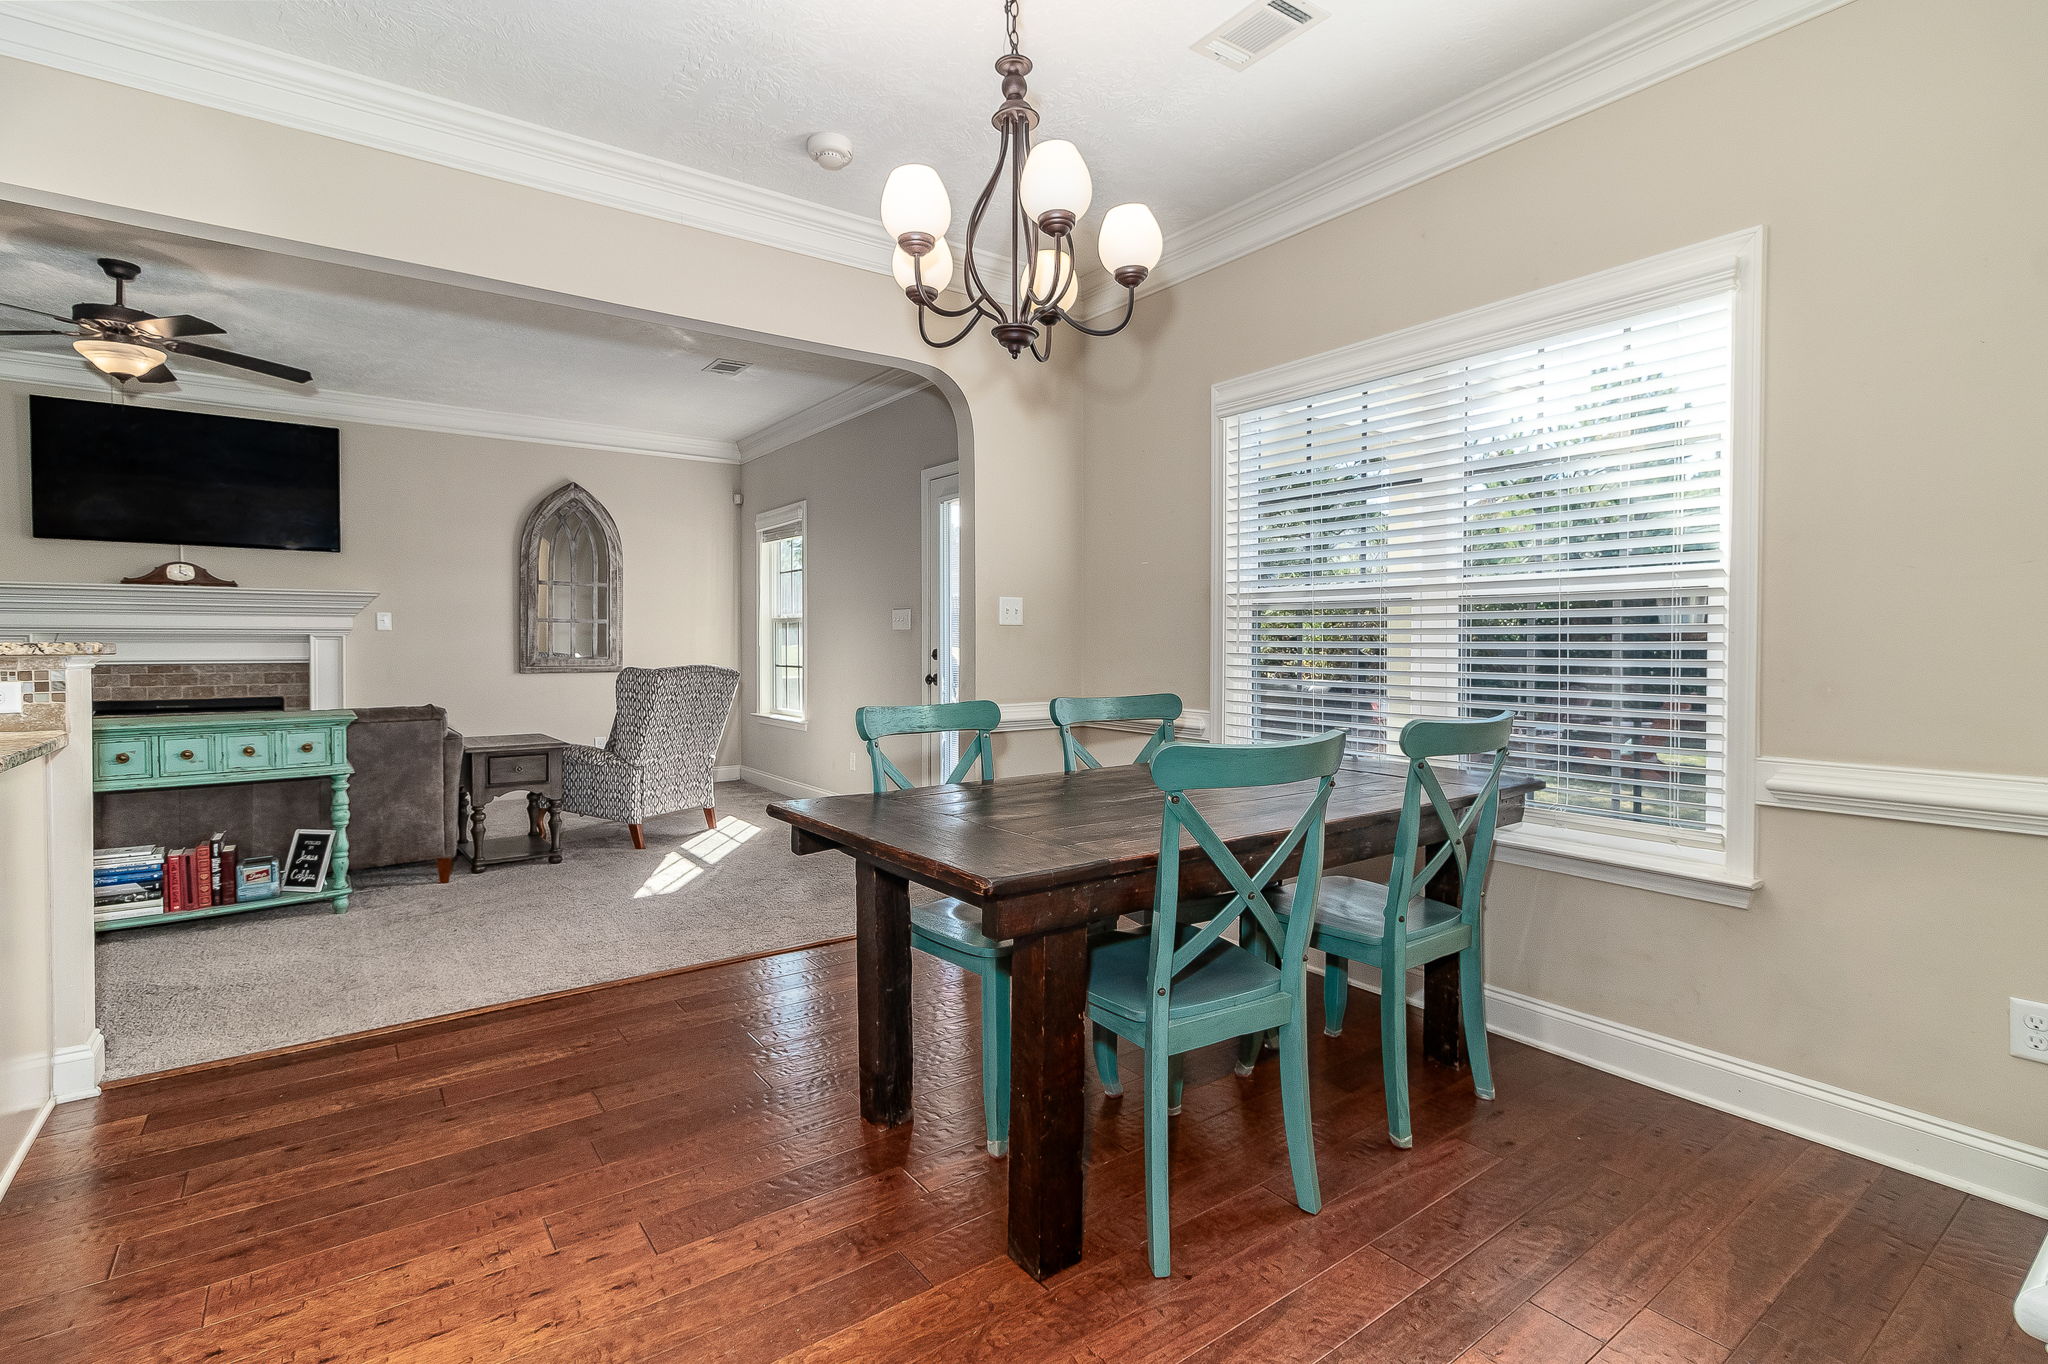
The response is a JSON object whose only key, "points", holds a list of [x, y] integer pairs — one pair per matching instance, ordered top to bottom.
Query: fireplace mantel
{"points": [[165, 624]]}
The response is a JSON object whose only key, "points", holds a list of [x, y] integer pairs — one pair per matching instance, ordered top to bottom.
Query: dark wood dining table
{"points": [[1043, 856]]}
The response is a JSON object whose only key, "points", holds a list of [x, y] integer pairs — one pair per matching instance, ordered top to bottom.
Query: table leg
{"points": [[536, 806], [554, 830], [476, 835], [882, 949], [1443, 1040], [1048, 1050]]}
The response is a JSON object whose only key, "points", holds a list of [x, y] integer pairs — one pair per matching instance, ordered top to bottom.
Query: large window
{"points": [[1533, 517], [779, 587]]}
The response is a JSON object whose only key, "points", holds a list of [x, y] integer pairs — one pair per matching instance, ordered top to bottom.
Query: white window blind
{"points": [[1541, 527], [780, 587]]}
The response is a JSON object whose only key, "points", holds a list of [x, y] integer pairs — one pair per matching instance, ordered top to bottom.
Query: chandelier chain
{"points": [[1010, 19]]}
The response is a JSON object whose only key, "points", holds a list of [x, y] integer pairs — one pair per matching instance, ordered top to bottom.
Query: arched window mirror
{"points": [[569, 586]]}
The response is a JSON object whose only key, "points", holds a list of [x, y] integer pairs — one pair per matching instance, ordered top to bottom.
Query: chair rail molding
{"points": [[159, 624], [1968, 800]]}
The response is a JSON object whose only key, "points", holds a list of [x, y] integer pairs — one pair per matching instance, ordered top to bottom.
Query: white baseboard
{"points": [[727, 773], [782, 786], [75, 1072], [20, 1152], [1991, 1166]]}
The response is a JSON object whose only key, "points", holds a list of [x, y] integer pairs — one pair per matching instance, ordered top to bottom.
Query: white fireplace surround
{"points": [[157, 624]]}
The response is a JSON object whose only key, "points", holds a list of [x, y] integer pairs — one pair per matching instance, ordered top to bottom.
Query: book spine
{"points": [[213, 848], [230, 866], [114, 876], [202, 878], [174, 882], [135, 890]]}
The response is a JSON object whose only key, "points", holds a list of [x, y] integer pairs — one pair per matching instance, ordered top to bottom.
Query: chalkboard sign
{"points": [[305, 867]]}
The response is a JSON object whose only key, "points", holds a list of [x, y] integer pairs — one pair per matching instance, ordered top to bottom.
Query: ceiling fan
{"points": [[130, 344]]}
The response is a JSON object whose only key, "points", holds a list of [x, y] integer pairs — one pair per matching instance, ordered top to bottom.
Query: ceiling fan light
{"points": [[1056, 183], [914, 203], [1130, 242], [936, 269], [119, 357]]}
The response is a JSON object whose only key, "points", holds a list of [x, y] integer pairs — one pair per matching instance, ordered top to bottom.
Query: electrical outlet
{"points": [[853, 761], [2029, 1029]]}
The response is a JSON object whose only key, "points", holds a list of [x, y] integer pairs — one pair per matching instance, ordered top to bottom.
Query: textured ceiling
{"points": [[736, 88], [363, 332]]}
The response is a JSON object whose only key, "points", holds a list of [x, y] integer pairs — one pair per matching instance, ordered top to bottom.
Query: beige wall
{"points": [[1893, 151], [246, 179], [861, 485], [431, 522], [25, 953]]}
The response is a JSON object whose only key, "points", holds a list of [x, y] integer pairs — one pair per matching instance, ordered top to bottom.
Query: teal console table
{"points": [[151, 752]]}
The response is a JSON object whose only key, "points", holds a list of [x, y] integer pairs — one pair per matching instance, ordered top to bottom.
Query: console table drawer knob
{"points": [[305, 748], [248, 750], [186, 755], [122, 757]]}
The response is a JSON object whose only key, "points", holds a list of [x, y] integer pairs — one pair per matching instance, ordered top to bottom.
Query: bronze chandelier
{"points": [[1049, 192]]}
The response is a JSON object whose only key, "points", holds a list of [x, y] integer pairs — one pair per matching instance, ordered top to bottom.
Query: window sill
{"points": [[782, 721], [1687, 873]]}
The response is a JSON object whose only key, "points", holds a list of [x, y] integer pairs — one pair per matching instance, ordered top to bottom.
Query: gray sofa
{"points": [[402, 799]]}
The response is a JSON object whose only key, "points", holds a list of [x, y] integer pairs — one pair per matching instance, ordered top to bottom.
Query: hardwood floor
{"points": [[674, 1169]]}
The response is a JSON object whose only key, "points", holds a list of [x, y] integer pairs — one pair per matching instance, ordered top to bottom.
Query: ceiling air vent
{"points": [[1247, 36], [727, 367]]}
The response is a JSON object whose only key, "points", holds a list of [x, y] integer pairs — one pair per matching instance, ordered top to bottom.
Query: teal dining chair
{"points": [[1069, 711], [1353, 914], [949, 929], [1169, 992]]}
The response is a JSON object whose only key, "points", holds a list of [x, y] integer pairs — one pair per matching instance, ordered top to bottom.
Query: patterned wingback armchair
{"points": [[662, 751]]}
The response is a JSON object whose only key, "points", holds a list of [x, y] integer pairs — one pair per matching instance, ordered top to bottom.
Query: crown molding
{"points": [[1661, 41], [162, 56], [61, 371], [844, 406]]}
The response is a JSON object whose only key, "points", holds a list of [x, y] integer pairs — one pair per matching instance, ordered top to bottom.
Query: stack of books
{"points": [[201, 877], [127, 883]]}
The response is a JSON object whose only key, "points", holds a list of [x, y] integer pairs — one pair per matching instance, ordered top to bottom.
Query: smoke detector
{"points": [[1250, 34], [833, 151], [727, 368]]}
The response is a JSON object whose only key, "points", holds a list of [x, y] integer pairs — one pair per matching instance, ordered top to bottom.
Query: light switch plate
{"points": [[1009, 610], [899, 619], [383, 620], [10, 698]]}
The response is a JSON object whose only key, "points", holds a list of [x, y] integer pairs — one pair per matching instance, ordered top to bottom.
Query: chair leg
{"points": [[711, 816], [639, 836], [444, 867], [1472, 991], [1336, 994], [1249, 1046], [1394, 1050], [1248, 1052], [995, 1059], [1105, 1062], [1176, 1083], [1301, 1134], [1158, 1214]]}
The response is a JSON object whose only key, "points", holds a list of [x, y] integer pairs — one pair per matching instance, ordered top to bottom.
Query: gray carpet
{"points": [[411, 948]]}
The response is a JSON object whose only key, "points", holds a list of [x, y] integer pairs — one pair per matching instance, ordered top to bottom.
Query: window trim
{"points": [[796, 514], [1722, 876]]}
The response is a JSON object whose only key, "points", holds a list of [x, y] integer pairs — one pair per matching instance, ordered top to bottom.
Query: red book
{"points": [[230, 863], [202, 877], [174, 882]]}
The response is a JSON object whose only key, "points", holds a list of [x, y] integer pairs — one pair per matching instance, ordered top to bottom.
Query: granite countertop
{"points": [[51, 650], [28, 745]]}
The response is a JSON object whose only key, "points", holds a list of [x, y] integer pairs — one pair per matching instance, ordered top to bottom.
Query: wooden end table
{"points": [[495, 765]]}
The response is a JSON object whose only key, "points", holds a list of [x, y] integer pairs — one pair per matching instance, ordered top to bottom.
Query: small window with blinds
{"points": [[1540, 526], [780, 591]]}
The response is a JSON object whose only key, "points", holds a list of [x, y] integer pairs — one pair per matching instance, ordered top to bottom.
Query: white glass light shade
{"points": [[1056, 180], [915, 200], [1129, 238], [1046, 268], [936, 269], [118, 357]]}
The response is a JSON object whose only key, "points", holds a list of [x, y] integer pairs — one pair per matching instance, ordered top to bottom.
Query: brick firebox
{"points": [[201, 681]]}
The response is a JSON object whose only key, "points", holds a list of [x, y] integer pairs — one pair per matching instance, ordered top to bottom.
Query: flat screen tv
{"points": [[116, 471]]}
